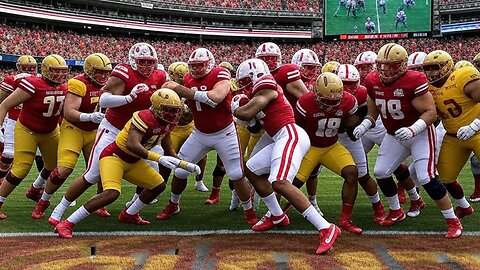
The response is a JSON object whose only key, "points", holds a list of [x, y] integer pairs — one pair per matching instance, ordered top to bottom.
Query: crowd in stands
{"points": [[72, 45]]}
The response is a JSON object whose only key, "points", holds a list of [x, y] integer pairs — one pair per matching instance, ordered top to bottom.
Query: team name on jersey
{"points": [[54, 93]]}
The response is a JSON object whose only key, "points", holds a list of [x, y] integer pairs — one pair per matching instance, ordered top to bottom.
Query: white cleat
{"points": [[200, 186]]}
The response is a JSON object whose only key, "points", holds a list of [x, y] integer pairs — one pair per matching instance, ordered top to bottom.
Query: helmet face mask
{"points": [[270, 53], [142, 57], [270, 60], [391, 62], [200, 63], [146, 65], [97, 66], [177, 70], [58, 74], [100, 76], [166, 105]]}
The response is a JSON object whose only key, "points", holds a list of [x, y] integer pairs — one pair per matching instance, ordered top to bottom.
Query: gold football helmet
{"points": [[476, 61], [391, 62], [462, 63], [27, 64], [437, 65], [97, 66], [228, 66], [331, 66], [55, 69], [177, 70], [329, 90], [166, 105]]}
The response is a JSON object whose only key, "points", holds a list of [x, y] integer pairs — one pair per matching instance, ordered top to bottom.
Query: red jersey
{"points": [[284, 75], [9, 84], [310, 84], [81, 86], [395, 100], [41, 113], [278, 113], [120, 115], [206, 118], [322, 125], [153, 131]]}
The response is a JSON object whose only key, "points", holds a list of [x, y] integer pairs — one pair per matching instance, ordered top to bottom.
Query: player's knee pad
{"points": [[475, 165], [219, 171], [381, 172], [402, 173], [181, 174], [236, 174], [56, 178], [12, 179], [387, 186], [435, 189]]}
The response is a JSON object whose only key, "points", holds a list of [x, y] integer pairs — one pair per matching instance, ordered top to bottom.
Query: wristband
{"points": [[85, 117], [368, 117], [153, 156]]}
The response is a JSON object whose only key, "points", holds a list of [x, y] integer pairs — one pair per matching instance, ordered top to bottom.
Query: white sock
{"points": [[39, 182], [413, 194], [46, 196], [175, 198], [375, 198], [2, 199], [462, 202], [129, 203], [394, 203], [247, 204], [272, 204], [135, 207], [60, 209], [449, 213], [78, 215], [315, 218]]}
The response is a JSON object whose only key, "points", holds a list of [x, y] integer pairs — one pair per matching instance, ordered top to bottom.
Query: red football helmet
{"points": [[142, 57], [200, 63]]}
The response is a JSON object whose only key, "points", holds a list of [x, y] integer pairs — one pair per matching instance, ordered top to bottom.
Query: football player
{"points": [[401, 18], [369, 25], [415, 61], [365, 63], [462, 63], [26, 66], [310, 67], [286, 75], [127, 90], [207, 90], [401, 97], [459, 111], [321, 113], [37, 124], [79, 126], [180, 133], [276, 157], [125, 159], [475, 197]]}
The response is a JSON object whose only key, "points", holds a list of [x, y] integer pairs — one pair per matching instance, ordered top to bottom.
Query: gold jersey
{"points": [[454, 107]]}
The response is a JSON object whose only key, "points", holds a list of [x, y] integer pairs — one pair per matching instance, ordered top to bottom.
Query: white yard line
{"points": [[378, 19], [221, 232]]}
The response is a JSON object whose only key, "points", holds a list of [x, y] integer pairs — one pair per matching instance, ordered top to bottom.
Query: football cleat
{"points": [[200, 186], [34, 194], [214, 196], [402, 197], [475, 197], [234, 202], [415, 207], [40, 209], [170, 209], [103, 212], [378, 212], [462, 212], [250, 216], [393, 217], [136, 219], [53, 221], [267, 223], [349, 226], [454, 228], [65, 229], [327, 238]]}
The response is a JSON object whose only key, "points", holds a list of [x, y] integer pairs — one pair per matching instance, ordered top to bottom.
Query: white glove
{"points": [[136, 90], [202, 96], [236, 101], [97, 117], [361, 129], [406, 133], [464, 133], [169, 162], [193, 168]]}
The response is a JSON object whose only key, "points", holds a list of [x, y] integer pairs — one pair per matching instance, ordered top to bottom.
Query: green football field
{"points": [[418, 17], [194, 215]]}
